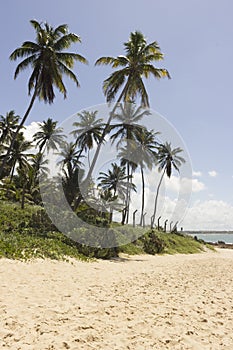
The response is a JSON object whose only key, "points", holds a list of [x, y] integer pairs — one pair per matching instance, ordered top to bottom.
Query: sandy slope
{"points": [[142, 302]]}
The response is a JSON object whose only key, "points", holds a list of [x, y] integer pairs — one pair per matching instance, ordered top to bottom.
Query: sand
{"points": [[136, 303]]}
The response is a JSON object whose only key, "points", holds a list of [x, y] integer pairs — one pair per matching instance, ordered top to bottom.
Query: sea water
{"points": [[215, 237]]}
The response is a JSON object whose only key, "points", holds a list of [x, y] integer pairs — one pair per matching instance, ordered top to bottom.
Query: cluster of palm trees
{"points": [[137, 147]]}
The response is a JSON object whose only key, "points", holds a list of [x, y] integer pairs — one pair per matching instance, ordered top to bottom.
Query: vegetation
{"points": [[25, 229], [32, 235]]}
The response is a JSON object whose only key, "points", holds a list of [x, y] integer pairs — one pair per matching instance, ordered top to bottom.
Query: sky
{"points": [[196, 39]]}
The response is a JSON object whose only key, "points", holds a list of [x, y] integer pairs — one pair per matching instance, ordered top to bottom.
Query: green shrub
{"points": [[152, 244]]}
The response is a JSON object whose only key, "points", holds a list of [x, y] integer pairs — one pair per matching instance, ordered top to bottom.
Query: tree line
{"points": [[138, 148]]}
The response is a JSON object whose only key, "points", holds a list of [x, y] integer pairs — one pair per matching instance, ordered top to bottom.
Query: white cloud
{"points": [[30, 130], [197, 173], [212, 173], [184, 185], [209, 215]]}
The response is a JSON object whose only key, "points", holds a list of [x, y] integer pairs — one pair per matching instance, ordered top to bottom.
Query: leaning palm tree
{"points": [[49, 63], [136, 64], [8, 125], [88, 131], [49, 136], [167, 159]]}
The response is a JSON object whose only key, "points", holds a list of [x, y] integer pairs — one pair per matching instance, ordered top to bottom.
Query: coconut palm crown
{"points": [[47, 59], [136, 64]]}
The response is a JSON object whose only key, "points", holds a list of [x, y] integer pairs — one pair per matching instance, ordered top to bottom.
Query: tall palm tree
{"points": [[49, 63], [136, 64], [129, 115], [8, 125], [89, 130], [49, 136], [141, 152], [146, 156], [167, 159]]}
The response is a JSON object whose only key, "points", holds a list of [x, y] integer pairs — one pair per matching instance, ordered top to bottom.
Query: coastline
{"points": [[137, 302]]}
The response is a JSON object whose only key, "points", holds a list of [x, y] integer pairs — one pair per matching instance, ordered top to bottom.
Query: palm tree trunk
{"points": [[17, 131], [103, 135], [41, 147], [94, 159], [12, 172], [23, 196], [143, 196], [157, 196], [129, 199]]}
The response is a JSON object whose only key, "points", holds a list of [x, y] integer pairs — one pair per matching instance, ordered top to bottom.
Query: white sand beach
{"points": [[138, 302]]}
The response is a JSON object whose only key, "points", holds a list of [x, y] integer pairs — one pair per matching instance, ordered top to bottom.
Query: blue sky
{"points": [[196, 39]]}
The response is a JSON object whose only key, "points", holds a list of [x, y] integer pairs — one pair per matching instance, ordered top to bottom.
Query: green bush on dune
{"points": [[29, 233]]}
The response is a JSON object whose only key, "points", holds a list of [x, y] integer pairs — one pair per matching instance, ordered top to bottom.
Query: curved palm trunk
{"points": [[17, 131], [41, 150], [94, 159], [143, 195], [157, 196]]}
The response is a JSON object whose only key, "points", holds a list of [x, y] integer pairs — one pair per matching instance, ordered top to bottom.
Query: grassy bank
{"points": [[27, 234]]}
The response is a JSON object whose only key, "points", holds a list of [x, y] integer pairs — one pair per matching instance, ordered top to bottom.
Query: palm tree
{"points": [[49, 62], [136, 64], [129, 116], [8, 125], [89, 130], [49, 136], [141, 152], [18, 154], [126, 155], [146, 156], [70, 157], [167, 159], [39, 165], [72, 173], [115, 180], [108, 201]]}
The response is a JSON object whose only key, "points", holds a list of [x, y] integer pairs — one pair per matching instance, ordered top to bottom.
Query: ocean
{"points": [[214, 237]]}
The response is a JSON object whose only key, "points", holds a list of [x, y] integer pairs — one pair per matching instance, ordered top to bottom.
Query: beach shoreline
{"points": [[133, 302]]}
